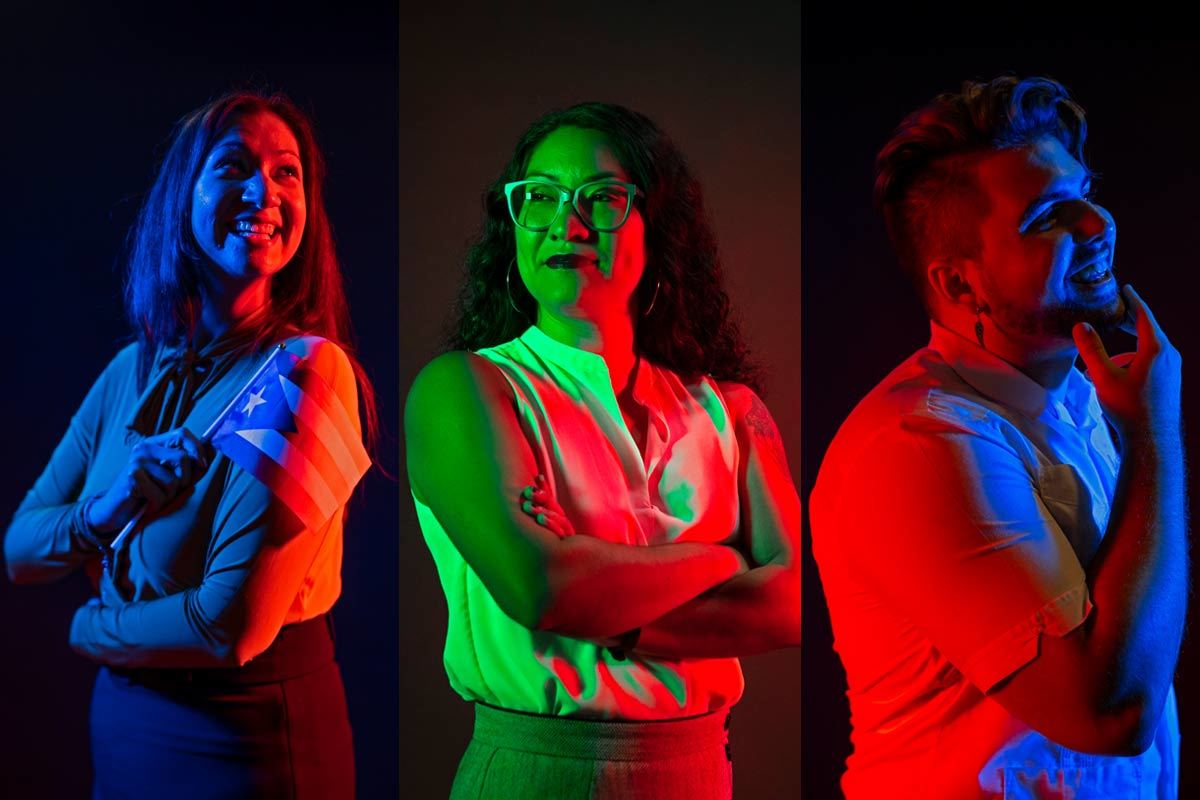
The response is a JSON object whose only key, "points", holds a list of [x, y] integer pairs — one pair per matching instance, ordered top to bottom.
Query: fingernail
{"points": [[1087, 327], [527, 492], [527, 506], [541, 519]]}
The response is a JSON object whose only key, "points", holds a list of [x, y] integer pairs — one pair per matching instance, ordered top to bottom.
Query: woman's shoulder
{"points": [[504, 351], [320, 355], [126, 359], [123, 366], [457, 369], [450, 381], [737, 395]]}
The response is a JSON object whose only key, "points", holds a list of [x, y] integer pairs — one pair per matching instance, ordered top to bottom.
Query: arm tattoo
{"points": [[759, 421]]}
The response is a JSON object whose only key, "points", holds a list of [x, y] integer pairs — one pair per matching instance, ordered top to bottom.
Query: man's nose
{"points": [[1093, 222]]}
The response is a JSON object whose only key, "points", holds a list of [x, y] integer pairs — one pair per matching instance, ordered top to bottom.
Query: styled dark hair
{"points": [[925, 181], [163, 286], [690, 328]]}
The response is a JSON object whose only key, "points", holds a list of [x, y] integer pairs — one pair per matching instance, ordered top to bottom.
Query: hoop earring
{"points": [[508, 288], [653, 299], [979, 325]]}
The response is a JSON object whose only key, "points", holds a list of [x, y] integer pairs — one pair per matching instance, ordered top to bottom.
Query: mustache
{"points": [[1091, 254]]}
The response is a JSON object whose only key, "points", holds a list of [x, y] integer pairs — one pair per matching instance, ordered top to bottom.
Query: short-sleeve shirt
{"points": [[681, 488], [952, 521]]}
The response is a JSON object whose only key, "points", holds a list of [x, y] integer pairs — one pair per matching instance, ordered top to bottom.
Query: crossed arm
{"points": [[460, 408], [758, 610]]}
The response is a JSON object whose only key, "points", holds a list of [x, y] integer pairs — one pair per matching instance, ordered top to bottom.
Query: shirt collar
{"points": [[563, 354], [591, 365], [996, 378]]}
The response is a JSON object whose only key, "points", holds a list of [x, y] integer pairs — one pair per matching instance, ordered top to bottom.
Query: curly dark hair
{"points": [[925, 183], [690, 328]]}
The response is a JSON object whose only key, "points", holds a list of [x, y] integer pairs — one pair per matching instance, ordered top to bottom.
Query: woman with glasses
{"points": [[604, 495], [218, 676]]}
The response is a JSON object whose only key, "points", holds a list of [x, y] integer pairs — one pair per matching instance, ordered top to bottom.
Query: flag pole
{"points": [[212, 428]]}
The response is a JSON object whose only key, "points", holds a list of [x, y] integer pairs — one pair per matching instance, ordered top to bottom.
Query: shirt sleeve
{"points": [[950, 530], [48, 537], [258, 563]]}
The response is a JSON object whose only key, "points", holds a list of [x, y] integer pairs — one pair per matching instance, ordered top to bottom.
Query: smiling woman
{"points": [[248, 205], [604, 495], [218, 676]]}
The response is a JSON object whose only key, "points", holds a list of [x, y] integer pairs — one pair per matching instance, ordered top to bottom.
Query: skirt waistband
{"points": [[298, 649], [604, 740]]}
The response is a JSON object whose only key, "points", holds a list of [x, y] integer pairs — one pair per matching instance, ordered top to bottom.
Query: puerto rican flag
{"points": [[289, 429]]}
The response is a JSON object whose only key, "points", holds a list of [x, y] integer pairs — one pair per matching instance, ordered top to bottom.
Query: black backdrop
{"points": [[861, 74], [89, 97]]}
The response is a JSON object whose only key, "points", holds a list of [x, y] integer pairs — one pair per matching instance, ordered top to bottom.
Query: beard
{"points": [[1058, 321]]}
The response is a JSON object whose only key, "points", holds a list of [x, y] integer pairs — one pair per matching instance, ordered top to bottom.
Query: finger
{"points": [[1092, 351], [1123, 360], [180, 441], [189, 444], [161, 451], [177, 462], [187, 467], [183, 470], [161, 474], [540, 480], [148, 489], [542, 514], [550, 518]]}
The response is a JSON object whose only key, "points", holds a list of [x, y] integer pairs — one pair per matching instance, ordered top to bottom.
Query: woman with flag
{"points": [[202, 483], [604, 494]]}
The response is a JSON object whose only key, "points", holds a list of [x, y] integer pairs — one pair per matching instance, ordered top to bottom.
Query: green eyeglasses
{"points": [[603, 205]]}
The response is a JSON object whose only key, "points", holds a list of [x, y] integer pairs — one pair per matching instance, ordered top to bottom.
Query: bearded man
{"points": [[1001, 538]]}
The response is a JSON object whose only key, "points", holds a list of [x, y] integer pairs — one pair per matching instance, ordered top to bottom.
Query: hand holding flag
{"points": [[289, 429]]}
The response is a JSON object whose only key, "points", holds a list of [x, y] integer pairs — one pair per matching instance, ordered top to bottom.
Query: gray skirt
{"points": [[515, 756]]}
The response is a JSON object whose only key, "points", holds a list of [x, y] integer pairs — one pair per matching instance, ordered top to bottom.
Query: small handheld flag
{"points": [[288, 428]]}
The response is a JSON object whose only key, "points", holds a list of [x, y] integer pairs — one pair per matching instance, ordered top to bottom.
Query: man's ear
{"points": [[948, 281]]}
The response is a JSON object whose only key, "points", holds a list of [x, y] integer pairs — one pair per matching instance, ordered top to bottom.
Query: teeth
{"points": [[262, 228], [1091, 274]]}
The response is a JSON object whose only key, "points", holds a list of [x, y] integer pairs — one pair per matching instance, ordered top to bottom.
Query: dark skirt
{"points": [[216, 734], [517, 756]]}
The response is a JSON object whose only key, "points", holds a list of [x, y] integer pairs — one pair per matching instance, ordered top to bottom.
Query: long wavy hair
{"points": [[163, 284], [690, 328]]}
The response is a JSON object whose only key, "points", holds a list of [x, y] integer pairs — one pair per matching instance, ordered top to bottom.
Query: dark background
{"points": [[861, 75], [726, 86], [89, 98]]}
